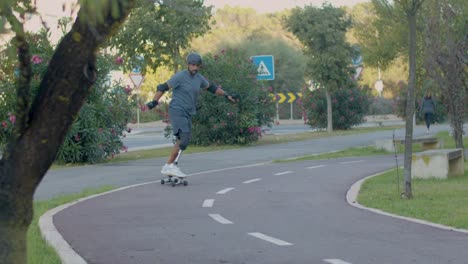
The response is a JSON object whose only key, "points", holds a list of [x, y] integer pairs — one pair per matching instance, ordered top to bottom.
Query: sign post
{"points": [[137, 79]]}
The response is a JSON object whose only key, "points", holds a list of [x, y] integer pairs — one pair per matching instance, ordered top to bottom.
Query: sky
{"points": [[270, 6]]}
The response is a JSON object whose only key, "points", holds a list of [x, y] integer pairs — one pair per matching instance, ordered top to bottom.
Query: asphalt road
{"points": [[233, 213], [264, 214]]}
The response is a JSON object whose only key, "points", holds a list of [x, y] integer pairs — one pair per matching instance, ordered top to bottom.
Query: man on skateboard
{"points": [[185, 85]]}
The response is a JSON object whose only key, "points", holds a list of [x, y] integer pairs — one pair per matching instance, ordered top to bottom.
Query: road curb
{"points": [[351, 198]]}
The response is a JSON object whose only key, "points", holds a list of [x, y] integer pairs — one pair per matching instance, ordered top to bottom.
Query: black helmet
{"points": [[194, 58]]}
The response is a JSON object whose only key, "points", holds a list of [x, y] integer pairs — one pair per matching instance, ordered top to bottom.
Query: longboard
{"points": [[174, 180]]}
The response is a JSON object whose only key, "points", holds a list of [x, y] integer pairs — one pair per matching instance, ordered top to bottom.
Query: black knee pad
{"points": [[184, 140]]}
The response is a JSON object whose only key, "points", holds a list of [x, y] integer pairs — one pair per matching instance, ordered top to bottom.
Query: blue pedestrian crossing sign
{"points": [[265, 67]]}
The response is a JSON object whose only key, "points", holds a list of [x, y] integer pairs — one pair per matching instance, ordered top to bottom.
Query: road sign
{"points": [[265, 67], [137, 79], [288, 97], [292, 97]]}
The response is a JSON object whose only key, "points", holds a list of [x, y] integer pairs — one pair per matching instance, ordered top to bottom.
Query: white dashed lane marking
{"points": [[354, 161], [315, 167], [282, 173], [253, 180], [225, 190], [208, 203], [218, 218], [270, 239], [336, 261]]}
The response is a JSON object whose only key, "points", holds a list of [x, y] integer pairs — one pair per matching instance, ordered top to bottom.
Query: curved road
{"points": [[233, 213], [264, 214]]}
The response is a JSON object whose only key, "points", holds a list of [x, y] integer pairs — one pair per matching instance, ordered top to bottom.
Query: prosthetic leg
{"points": [[174, 175]]}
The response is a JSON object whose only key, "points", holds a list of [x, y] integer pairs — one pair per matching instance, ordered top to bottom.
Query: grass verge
{"points": [[439, 201], [39, 252]]}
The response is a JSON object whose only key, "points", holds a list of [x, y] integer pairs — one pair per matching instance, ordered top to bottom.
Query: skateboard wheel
{"points": [[162, 182], [185, 183], [173, 184]]}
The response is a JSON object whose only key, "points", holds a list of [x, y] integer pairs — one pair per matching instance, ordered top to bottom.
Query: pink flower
{"points": [[36, 59], [118, 60], [270, 89], [128, 90], [12, 118], [4, 124], [77, 137], [124, 148]]}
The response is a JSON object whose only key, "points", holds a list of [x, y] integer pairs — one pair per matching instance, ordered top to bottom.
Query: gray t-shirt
{"points": [[185, 90]]}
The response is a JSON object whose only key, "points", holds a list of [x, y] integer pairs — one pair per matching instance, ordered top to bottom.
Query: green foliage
{"points": [[160, 30], [322, 31], [257, 34], [382, 106], [349, 107], [219, 121], [96, 132]]}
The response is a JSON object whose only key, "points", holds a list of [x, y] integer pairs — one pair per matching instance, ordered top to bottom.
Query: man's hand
{"points": [[232, 98], [152, 104]]}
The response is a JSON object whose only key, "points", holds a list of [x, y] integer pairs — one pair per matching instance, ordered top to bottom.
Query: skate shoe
{"points": [[173, 170]]}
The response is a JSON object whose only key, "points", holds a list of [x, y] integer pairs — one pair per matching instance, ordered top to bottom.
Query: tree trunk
{"points": [[410, 105], [329, 112], [27, 157], [15, 217]]}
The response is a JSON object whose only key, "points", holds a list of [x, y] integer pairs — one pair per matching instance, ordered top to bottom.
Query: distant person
{"points": [[186, 86], [428, 110]]}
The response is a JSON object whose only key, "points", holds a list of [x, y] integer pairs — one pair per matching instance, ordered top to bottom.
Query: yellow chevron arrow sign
{"points": [[292, 97], [282, 98]]}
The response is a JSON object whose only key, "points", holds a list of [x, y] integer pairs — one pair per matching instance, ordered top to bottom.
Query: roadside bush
{"points": [[381, 106], [348, 108], [219, 121], [96, 133]]}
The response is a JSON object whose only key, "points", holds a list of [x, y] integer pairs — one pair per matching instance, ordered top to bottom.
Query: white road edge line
{"points": [[354, 161], [314, 167], [282, 173], [253, 180], [224, 191], [351, 198], [208, 203], [218, 218], [270, 239], [336, 261]]}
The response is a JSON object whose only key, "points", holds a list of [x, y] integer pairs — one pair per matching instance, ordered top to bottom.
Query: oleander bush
{"points": [[349, 106], [219, 121], [97, 131]]}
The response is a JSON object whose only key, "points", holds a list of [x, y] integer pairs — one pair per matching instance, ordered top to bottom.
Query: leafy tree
{"points": [[410, 8], [160, 31], [322, 32], [257, 34], [445, 57], [44, 118]]}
